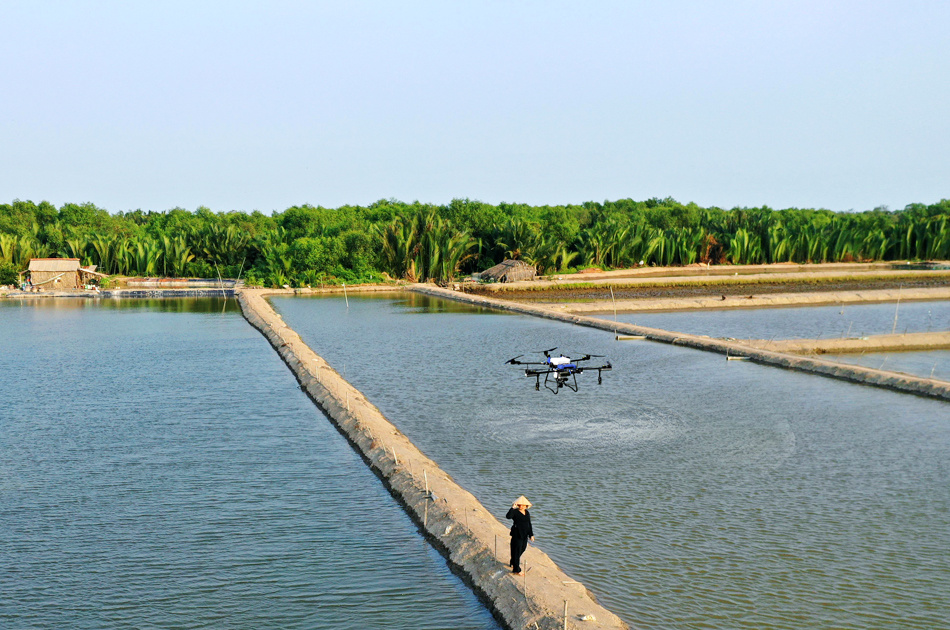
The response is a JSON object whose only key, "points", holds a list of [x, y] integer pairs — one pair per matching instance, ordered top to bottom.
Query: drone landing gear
{"points": [[559, 380]]}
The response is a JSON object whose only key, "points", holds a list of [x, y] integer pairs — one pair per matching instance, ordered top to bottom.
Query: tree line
{"points": [[313, 245]]}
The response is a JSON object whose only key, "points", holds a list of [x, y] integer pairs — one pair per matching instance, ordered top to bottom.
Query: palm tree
{"points": [[515, 237], [398, 241], [8, 248], [744, 248], [175, 255], [145, 256]]}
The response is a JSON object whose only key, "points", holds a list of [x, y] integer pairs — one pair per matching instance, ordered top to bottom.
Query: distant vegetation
{"points": [[306, 245]]}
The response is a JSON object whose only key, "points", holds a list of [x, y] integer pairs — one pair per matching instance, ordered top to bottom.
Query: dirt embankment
{"points": [[753, 286], [718, 287], [706, 302], [904, 342], [879, 378], [470, 537]]}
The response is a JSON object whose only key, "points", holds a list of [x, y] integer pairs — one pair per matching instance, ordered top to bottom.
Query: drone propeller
{"points": [[548, 352], [514, 361]]}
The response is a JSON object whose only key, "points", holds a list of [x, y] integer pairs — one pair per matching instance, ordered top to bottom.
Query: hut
{"points": [[509, 271], [60, 274]]}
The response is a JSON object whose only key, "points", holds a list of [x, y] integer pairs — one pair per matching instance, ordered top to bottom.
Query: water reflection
{"points": [[161, 305]]}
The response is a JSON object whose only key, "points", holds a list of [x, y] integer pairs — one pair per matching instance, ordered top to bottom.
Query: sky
{"points": [[249, 106]]}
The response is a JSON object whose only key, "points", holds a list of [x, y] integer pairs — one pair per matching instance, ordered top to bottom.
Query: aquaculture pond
{"points": [[801, 322], [928, 364], [160, 468], [686, 491]]}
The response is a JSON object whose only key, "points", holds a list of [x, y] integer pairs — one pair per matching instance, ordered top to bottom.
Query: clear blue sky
{"points": [[260, 106]]}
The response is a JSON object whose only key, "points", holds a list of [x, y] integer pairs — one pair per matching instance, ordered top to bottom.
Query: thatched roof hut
{"points": [[509, 271], [60, 274]]}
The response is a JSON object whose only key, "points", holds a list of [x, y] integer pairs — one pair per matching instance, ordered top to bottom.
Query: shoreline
{"points": [[675, 278], [172, 293], [775, 300], [898, 342], [931, 388], [448, 516]]}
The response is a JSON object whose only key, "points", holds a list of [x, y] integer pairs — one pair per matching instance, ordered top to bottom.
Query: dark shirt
{"points": [[522, 526]]}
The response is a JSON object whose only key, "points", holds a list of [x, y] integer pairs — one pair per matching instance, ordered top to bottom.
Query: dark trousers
{"points": [[518, 545]]}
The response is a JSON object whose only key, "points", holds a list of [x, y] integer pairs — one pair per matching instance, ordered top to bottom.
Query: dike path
{"points": [[815, 298], [906, 383], [474, 542]]}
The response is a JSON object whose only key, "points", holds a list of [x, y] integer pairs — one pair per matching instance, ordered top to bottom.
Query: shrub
{"points": [[8, 273]]}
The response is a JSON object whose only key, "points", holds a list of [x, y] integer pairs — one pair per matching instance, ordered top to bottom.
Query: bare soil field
{"points": [[722, 282], [648, 291]]}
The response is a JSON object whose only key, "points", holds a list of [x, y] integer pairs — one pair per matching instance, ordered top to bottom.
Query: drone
{"points": [[559, 371]]}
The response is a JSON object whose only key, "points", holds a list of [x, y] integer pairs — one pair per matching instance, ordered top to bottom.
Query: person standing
{"points": [[521, 531]]}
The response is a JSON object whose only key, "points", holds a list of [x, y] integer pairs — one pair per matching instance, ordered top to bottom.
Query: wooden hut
{"points": [[509, 271], [60, 274]]}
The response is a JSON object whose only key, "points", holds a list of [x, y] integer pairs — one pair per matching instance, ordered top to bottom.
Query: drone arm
{"points": [[515, 361]]}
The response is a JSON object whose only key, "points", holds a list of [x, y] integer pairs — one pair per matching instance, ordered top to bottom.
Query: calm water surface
{"points": [[802, 322], [929, 364], [160, 468], [686, 491]]}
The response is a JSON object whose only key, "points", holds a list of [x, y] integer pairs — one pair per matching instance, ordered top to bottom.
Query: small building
{"points": [[509, 271], [61, 274]]}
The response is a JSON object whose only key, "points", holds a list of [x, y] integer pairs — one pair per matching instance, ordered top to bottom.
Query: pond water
{"points": [[800, 322], [928, 364], [160, 468], [686, 491]]}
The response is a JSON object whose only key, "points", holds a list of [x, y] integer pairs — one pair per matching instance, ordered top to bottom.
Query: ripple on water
{"points": [[184, 481], [686, 491]]}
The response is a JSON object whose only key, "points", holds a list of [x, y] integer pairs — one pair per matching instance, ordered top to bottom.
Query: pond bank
{"points": [[628, 282], [117, 294], [817, 298], [902, 342], [879, 378], [473, 541]]}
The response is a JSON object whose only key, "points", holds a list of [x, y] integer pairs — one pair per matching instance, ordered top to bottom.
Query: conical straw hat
{"points": [[522, 500]]}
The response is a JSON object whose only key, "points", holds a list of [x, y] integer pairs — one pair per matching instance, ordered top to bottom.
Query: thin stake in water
{"points": [[899, 288], [615, 308]]}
